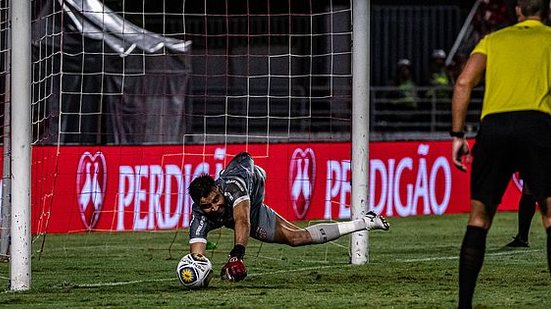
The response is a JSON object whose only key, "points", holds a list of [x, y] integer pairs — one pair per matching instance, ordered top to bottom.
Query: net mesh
{"points": [[177, 84], [132, 99], [5, 127]]}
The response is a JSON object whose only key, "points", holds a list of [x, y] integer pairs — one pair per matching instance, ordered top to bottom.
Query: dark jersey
{"points": [[241, 180]]}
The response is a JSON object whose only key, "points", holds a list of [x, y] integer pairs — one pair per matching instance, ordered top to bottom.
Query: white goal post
{"points": [[359, 203], [20, 261]]}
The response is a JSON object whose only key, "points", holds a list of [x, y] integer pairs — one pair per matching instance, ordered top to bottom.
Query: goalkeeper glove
{"points": [[235, 269]]}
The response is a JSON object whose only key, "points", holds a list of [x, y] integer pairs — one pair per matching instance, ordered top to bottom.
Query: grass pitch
{"points": [[414, 265]]}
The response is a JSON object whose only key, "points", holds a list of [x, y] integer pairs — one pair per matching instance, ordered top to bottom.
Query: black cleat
{"points": [[518, 243]]}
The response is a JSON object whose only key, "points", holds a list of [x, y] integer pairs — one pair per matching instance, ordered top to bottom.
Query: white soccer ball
{"points": [[194, 271]]}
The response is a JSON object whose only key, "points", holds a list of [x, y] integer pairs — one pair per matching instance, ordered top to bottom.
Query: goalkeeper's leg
{"points": [[290, 234]]}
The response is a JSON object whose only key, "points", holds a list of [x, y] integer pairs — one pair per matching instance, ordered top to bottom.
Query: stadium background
{"points": [[129, 126]]}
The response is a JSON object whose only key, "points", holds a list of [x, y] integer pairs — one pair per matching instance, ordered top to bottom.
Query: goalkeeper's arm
{"points": [[241, 217], [198, 247], [235, 269]]}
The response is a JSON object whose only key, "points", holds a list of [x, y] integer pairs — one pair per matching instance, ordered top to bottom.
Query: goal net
{"points": [[132, 99], [5, 129]]}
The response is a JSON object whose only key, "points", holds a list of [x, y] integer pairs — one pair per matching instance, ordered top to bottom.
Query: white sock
{"points": [[325, 232]]}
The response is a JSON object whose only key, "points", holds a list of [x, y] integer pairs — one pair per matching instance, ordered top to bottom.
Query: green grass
{"points": [[414, 265]]}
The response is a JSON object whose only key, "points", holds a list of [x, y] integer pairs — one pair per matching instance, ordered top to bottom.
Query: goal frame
{"points": [[359, 201], [20, 246], [20, 261]]}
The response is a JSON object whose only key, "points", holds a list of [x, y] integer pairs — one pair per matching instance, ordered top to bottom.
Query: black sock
{"points": [[526, 211], [549, 248], [470, 263]]}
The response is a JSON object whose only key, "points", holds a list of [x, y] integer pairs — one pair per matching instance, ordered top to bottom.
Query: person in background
{"points": [[439, 76], [439, 92], [406, 98], [402, 99], [515, 129], [526, 210]]}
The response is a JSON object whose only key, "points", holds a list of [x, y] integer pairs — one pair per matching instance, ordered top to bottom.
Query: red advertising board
{"points": [[121, 188]]}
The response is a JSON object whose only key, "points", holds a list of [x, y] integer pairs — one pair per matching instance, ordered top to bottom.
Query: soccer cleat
{"points": [[375, 222], [518, 243]]}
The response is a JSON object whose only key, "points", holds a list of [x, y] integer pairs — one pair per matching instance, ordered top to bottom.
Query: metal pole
{"points": [[462, 33], [360, 125], [20, 270]]}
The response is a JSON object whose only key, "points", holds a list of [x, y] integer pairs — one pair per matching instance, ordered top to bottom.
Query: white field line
{"points": [[456, 257], [298, 259], [428, 259], [298, 270], [106, 284]]}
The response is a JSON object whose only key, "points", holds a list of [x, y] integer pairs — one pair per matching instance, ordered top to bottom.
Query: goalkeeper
{"points": [[236, 200]]}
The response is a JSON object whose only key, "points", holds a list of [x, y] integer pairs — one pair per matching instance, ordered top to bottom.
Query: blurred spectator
{"points": [[493, 15], [440, 79], [439, 92], [406, 96], [403, 99]]}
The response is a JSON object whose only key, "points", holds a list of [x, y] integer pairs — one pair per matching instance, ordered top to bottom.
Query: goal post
{"points": [[360, 126], [20, 261]]}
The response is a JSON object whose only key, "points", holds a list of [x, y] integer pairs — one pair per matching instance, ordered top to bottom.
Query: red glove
{"points": [[235, 269]]}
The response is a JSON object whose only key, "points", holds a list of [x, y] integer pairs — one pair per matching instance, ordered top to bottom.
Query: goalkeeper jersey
{"points": [[241, 180]]}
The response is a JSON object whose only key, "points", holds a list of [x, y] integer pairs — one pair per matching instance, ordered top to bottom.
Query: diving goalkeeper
{"points": [[236, 200]]}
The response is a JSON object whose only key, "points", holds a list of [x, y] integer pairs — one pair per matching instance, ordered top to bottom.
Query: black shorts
{"points": [[510, 142]]}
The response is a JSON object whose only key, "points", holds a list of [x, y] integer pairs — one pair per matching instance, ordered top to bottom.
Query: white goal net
{"points": [[132, 81], [132, 99]]}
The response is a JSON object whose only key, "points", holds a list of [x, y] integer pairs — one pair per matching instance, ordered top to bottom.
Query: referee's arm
{"points": [[469, 78]]}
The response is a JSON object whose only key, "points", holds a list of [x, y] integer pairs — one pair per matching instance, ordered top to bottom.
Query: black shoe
{"points": [[518, 243]]}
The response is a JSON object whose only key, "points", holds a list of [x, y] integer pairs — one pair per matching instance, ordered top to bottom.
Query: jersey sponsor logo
{"points": [[302, 178], [91, 182], [240, 183], [229, 197], [200, 230]]}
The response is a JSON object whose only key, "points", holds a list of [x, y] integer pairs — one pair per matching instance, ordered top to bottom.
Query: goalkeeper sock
{"points": [[325, 232], [470, 263]]}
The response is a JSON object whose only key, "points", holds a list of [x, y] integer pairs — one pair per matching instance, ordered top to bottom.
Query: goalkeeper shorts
{"points": [[263, 222]]}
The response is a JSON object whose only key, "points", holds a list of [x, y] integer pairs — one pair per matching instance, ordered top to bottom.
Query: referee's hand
{"points": [[460, 153]]}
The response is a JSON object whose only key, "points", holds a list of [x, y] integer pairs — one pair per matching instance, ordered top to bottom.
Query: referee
{"points": [[515, 130]]}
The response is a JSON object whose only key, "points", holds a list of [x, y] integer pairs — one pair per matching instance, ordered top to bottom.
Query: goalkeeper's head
{"points": [[206, 195]]}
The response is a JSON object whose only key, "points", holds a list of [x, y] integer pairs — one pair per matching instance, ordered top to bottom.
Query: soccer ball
{"points": [[194, 271]]}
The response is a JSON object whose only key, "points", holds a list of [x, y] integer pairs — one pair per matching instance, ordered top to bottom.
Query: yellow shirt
{"points": [[518, 68]]}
